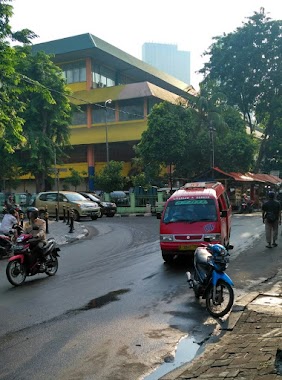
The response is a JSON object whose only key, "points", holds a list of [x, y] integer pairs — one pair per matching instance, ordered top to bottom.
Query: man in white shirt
{"points": [[8, 222]]}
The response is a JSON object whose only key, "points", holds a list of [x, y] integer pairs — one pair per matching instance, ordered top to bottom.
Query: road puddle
{"points": [[104, 300], [186, 351]]}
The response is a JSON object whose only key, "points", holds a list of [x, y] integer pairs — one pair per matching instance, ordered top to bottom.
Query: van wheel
{"points": [[168, 256]]}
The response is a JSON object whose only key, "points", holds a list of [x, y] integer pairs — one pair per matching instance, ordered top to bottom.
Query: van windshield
{"points": [[190, 210]]}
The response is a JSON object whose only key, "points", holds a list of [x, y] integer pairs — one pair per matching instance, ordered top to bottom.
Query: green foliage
{"points": [[246, 68], [11, 106], [47, 114], [186, 139], [161, 143], [110, 178], [75, 179], [139, 180]]}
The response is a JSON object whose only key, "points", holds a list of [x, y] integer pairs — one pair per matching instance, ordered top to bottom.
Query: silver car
{"points": [[64, 202]]}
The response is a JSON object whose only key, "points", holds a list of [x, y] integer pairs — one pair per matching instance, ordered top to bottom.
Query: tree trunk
{"points": [[261, 155]]}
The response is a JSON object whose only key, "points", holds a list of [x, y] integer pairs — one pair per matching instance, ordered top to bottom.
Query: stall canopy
{"points": [[220, 175]]}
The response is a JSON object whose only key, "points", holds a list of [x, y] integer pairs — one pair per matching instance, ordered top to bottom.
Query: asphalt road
{"points": [[114, 310]]}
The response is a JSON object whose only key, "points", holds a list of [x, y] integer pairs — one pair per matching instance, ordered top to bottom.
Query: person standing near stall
{"points": [[271, 216]]}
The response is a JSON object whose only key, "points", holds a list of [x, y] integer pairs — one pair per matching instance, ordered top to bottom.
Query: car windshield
{"points": [[75, 197], [93, 198], [190, 210]]}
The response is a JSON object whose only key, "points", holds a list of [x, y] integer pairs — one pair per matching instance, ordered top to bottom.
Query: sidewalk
{"points": [[60, 231], [249, 345]]}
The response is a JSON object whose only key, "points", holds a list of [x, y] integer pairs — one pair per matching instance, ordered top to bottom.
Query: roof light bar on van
{"points": [[194, 184], [200, 185]]}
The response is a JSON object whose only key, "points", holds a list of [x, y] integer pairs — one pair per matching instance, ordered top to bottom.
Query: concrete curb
{"points": [[129, 215]]}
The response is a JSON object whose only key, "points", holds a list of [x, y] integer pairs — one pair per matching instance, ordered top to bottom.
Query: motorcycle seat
{"points": [[202, 255]]}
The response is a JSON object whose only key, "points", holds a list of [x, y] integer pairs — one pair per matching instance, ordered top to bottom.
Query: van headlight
{"points": [[166, 237], [213, 237]]}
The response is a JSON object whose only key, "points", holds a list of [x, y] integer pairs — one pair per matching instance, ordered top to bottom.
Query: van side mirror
{"points": [[223, 213]]}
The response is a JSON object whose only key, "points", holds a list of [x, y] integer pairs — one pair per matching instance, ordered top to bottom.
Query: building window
{"points": [[74, 72], [102, 76], [123, 79], [131, 109], [99, 113], [79, 117], [76, 154]]}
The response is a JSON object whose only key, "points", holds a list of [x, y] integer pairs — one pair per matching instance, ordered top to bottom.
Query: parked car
{"points": [[121, 198], [81, 206], [107, 208]]}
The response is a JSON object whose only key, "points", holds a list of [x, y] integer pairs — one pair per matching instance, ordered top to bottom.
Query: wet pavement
{"points": [[248, 345]]}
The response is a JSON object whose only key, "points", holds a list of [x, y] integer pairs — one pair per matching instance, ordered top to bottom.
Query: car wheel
{"points": [[100, 214], [76, 216], [94, 217]]}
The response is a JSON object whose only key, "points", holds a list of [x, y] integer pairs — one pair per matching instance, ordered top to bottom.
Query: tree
{"points": [[246, 66], [11, 105], [47, 114], [188, 138], [162, 143], [75, 178], [110, 178]]}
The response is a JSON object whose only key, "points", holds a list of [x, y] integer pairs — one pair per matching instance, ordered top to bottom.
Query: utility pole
{"points": [[109, 101]]}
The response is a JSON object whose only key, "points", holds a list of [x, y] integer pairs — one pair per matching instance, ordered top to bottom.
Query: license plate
{"points": [[188, 247]]}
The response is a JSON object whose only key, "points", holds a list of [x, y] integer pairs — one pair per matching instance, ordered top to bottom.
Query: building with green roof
{"points": [[115, 92]]}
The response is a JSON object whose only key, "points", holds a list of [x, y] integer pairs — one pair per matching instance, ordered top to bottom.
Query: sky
{"points": [[128, 24]]}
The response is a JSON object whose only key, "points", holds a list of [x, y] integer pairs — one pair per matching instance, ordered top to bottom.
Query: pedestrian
{"points": [[271, 216]]}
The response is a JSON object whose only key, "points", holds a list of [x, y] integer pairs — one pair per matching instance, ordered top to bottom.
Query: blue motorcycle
{"points": [[209, 280]]}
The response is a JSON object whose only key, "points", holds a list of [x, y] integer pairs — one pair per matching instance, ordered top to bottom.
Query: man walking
{"points": [[271, 216]]}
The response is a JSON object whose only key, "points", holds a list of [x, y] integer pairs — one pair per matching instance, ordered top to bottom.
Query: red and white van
{"points": [[196, 211]]}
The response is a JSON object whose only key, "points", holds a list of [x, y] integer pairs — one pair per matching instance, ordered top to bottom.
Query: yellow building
{"points": [[115, 92]]}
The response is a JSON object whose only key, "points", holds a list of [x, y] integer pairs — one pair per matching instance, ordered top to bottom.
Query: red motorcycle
{"points": [[25, 263]]}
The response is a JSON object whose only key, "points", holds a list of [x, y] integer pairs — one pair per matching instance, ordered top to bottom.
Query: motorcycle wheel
{"points": [[52, 265], [16, 272], [223, 301]]}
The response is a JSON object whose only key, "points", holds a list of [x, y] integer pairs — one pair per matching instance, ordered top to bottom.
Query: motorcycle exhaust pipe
{"points": [[189, 280]]}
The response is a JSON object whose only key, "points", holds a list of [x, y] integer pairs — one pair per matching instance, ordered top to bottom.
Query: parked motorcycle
{"points": [[246, 206], [23, 263], [209, 280]]}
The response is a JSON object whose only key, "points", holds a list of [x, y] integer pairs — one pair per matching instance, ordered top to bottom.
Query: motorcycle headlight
{"points": [[166, 238]]}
